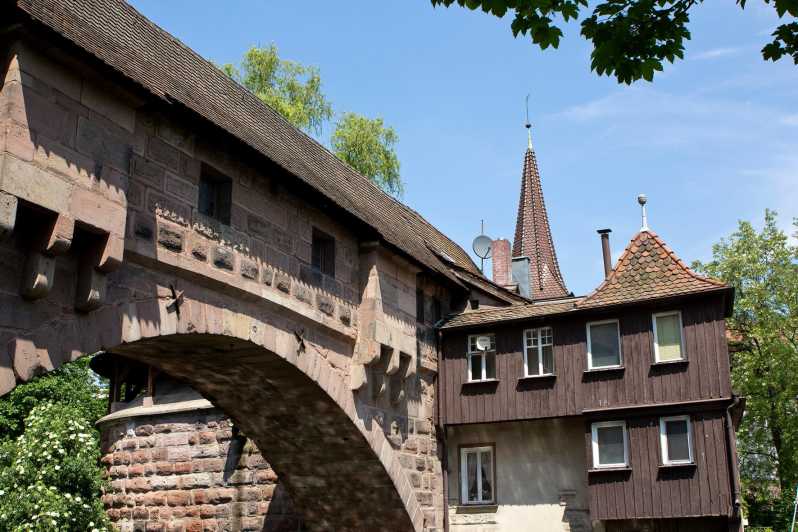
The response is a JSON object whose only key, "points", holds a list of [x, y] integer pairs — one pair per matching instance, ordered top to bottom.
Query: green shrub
{"points": [[49, 475]]}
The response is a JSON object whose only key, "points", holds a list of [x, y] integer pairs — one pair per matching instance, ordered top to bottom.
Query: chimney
{"points": [[605, 250], [501, 261], [521, 275]]}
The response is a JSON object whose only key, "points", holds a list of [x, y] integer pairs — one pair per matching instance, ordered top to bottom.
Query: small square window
{"points": [[215, 194], [323, 252], [603, 345], [668, 345], [539, 352], [481, 357], [676, 440], [610, 444], [477, 475]]}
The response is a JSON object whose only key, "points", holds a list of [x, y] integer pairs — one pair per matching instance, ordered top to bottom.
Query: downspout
{"points": [[440, 431], [731, 445]]}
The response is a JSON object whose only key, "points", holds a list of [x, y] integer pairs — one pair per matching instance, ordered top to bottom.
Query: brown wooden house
{"points": [[612, 411]]}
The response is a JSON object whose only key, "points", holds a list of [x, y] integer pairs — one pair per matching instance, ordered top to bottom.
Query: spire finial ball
{"points": [[642, 199]]}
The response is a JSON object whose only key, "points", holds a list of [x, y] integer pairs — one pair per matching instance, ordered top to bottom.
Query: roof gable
{"points": [[648, 269]]}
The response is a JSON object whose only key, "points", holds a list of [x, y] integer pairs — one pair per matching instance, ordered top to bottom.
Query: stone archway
{"points": [[284, 384]]}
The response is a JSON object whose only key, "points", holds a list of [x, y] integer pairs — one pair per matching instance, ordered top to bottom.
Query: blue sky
{"points": [[713, 140]]}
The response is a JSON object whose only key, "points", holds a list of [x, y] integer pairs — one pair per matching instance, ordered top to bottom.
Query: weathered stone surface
{"points": [[8, 213], [170, 238], [223, 258], [249, 269], [282, 282], [325, 304], [197, 485]]}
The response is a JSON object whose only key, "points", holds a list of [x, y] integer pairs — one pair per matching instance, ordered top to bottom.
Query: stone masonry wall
{"points": [[110, 163], [188, 472]]}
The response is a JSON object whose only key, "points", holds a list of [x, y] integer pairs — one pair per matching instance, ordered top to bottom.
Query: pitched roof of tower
{"points": [[118, 35], [533, 235], [648, 269]]}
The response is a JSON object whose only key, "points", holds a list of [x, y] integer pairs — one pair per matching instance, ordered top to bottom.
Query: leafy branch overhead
{"points": [[631, 38], [294, 91]]}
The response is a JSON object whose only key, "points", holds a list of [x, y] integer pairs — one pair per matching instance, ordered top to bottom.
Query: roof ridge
{"points": [[127, 42], [651, 287]]}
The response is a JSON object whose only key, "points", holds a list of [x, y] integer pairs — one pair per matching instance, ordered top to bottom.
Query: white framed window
{"points": [[668, 338], [604, 344], [538, 352], [481, 357], [676, 440], [610, 444], [477, 475]]}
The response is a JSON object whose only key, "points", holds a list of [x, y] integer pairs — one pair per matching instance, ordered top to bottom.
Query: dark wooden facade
{"points": [[573, 390], [649, 490]]}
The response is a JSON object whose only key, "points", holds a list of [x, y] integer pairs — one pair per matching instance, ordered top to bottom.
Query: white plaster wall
{"points": [[541, 481]]}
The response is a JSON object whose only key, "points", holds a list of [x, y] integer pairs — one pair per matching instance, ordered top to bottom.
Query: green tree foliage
{"points": [[631, 38], [291, 89], [294, 90], [367, 145], [763, 268], [50, 475]]}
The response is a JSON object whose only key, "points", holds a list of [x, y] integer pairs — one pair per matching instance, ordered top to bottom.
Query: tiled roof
{"points": [[128, 42], [533, 235], [648, 269], [489, 287], [514, 312]]}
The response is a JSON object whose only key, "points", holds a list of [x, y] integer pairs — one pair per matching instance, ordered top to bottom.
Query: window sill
{"points": [[682, 362], [613, 369], [538, 377], [483, 381], [685, 465], [619, 469], [477, 508]]}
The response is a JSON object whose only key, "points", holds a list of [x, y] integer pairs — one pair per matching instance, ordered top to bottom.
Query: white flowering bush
{"points": [[50, 479]]}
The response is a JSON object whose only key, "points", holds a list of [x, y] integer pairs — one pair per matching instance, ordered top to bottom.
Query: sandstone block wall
{"points": [[190, 472]]}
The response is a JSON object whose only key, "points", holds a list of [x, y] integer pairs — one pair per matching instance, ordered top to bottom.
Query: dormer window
{"points": [[668, 344], [603, 345], [538, 352], [481, 357]]}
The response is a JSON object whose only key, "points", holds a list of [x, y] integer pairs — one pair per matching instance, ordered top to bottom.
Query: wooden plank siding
{"points": [[572, 390], [648, 490]]}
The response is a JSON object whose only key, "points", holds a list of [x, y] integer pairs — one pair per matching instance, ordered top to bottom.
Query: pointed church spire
{"points": [[533, 235]]}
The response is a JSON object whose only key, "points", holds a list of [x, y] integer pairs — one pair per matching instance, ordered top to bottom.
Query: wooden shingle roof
{"points": [[122, 38], [648, 269]]}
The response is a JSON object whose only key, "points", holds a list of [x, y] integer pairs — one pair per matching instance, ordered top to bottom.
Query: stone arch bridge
{"points": [[106, 244]]}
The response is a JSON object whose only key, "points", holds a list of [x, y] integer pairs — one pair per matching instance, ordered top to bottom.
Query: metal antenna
{"points": [[528, 125], [642, 199]]}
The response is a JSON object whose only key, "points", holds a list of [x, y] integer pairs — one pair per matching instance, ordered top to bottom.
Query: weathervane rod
{"points": [[528, 125], [642, 199]]}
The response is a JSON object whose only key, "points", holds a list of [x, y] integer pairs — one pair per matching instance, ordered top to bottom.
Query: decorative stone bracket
{"points": [[48, 235], [384, 352]]}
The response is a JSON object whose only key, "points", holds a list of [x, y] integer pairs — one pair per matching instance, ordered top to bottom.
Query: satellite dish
{"points": [[482, 246], [483, 343]]}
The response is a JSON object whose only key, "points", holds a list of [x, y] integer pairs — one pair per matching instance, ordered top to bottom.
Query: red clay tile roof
{"points": [[128, 42], [533, 235], [648, 269], [513, 312]]}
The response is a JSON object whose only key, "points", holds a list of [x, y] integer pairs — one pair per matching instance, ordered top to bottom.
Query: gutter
{"points": [[440, 434], [731, 454]]}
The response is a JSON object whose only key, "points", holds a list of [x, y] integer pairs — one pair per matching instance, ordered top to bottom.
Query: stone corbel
{"points": [[8, 214], [53, 238], [103, 256], [398, 379]]}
